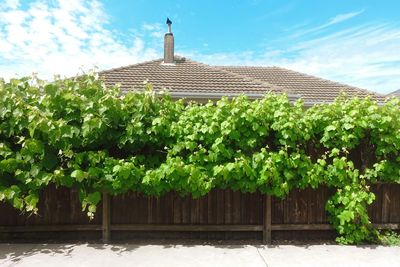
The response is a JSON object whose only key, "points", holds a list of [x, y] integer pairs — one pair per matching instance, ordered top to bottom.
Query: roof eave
{"points": [[219, 95]]}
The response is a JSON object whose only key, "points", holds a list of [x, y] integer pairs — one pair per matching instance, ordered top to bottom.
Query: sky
{"points": [[356, 42]]}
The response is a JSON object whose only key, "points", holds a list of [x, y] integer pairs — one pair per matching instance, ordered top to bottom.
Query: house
{"points": [[185, 78]]}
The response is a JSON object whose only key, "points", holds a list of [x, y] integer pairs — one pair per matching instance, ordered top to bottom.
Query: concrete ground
{"points": [[193, 255]]}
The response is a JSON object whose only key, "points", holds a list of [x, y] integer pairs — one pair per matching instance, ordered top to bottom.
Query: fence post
{"points": [[106, 218], [267, 220]]}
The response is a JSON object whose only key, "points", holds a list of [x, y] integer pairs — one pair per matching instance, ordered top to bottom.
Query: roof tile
{"points": [[310, 88]]}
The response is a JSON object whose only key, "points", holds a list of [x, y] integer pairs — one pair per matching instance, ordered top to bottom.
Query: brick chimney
{"points": [[169, 45]]}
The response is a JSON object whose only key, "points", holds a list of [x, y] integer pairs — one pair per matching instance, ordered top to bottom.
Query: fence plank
{"points": [[385, 204], [395, 204], [236, 211], [106, 218], [267, 220]]}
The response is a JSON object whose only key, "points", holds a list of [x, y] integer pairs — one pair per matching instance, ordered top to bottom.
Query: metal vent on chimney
{"points": [[169, 46]]}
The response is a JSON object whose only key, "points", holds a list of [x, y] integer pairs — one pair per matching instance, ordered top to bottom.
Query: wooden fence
{"points": [[220, 214]]}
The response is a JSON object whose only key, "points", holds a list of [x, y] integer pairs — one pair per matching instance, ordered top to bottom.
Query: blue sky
{"points": [[354, 42]]}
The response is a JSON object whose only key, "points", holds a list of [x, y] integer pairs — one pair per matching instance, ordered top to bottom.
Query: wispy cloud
{"points": [[279, 11], [343, 17], [335, 20], [62, 37], [365, 56]]}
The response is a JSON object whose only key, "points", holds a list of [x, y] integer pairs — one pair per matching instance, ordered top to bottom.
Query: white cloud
{"points": [[11, 4], [154, 30], [62, 37]]}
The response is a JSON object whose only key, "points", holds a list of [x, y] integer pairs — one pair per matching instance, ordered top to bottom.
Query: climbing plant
{"points": [[81, 134]]}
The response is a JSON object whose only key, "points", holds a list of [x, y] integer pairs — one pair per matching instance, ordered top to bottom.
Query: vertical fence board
{"points": [[395, 203], [385, 204], [228, 206], [177, 209], [203, 209], [186, 210], [236, 211], [277, 211], [220, 212], [106, 218], [267, 228]]}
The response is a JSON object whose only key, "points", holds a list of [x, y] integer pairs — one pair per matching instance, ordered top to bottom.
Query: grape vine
{"points": [[81, 134]]}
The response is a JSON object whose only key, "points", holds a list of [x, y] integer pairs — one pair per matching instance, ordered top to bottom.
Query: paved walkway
{"points": [[120, 255]]}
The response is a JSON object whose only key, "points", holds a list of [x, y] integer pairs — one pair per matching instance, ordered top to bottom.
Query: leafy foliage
{"points": [[78, 133], [390, 238]]}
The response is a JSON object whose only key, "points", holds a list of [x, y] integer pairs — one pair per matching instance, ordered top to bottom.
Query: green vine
{"points": [[78, 133]]}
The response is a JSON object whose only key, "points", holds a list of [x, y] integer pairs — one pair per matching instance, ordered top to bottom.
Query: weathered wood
{"points": [[395, 204], [385, 205], [228, 206], [186, 207], [195, 207], [220, 207], [177, 209], [203, 209], [60, 211], [236, 211], [106, 219], [267, 226], [300, 227], [50, 228], [180, 228], [188, 228]]}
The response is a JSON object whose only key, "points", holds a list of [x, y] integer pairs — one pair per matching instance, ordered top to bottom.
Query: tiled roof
{"points": [[184, 76], [193, 77], [311, 88], [396, 93]]}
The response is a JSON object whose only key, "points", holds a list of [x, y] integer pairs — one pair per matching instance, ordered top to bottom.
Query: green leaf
{"points": [[50, 89], [330, 128], [79, 175], [94, 198], [31, 202], [18, 203]]}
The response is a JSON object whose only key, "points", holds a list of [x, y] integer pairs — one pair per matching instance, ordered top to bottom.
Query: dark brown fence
{"points": [[220, 214]]}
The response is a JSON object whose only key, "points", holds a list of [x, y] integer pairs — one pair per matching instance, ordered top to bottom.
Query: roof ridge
{"points": [[244, 77], [287, 90]]}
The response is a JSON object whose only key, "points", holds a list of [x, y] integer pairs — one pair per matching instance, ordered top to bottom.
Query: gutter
{"points": [[204, 96]]}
